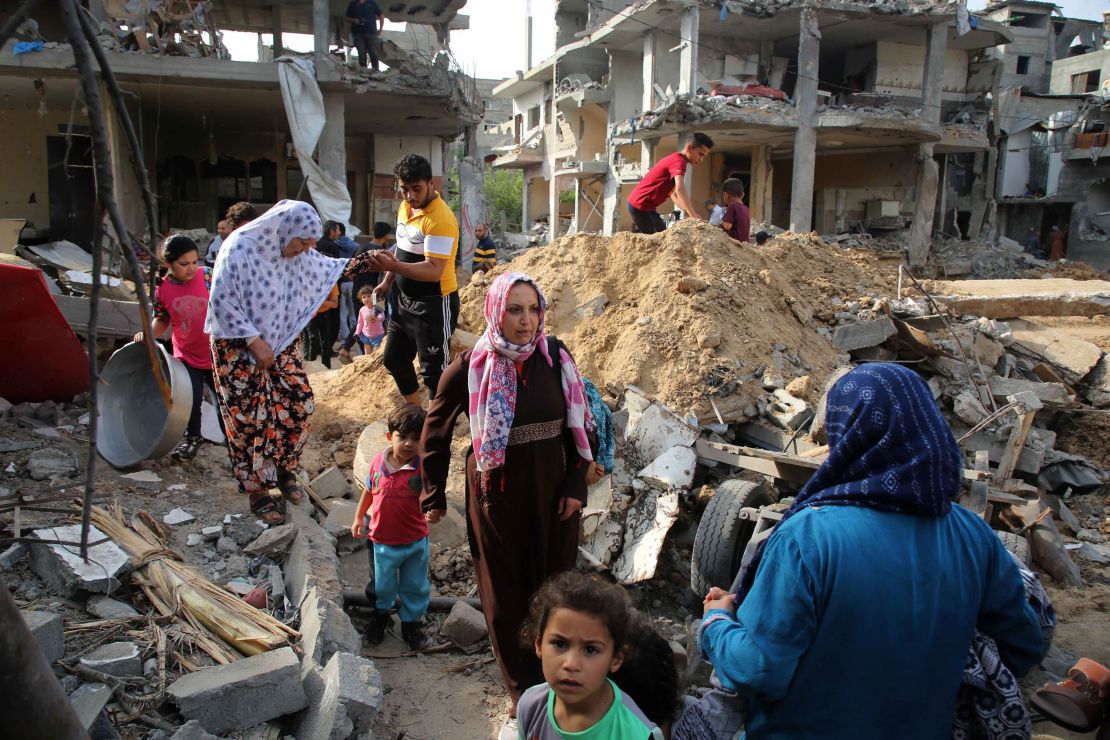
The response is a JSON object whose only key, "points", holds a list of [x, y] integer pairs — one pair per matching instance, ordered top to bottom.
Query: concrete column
{"points": [[321, 18], [275, 21], [688, 56], [648, 101], [805, 140], [332, 149], [925, 196], [759, 199], [471, 202], [525, 202], [553, 206], [609, 217], [576, 219]]}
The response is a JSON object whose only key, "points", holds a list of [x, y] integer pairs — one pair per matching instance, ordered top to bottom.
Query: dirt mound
{"points": [[1070, 269], [690, 312], [356, 395]]}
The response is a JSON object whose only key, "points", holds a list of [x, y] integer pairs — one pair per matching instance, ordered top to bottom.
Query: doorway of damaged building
{"points": [[71, 188]]}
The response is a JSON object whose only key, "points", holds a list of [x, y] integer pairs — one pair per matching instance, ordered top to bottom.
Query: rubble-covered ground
{"points": [[685, 326]]}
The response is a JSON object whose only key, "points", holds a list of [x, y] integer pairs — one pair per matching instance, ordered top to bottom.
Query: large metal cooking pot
{"points": [[134, 423]]}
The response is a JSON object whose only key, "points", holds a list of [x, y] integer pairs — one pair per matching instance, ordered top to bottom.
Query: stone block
{"points": [[861, 334], [1051, 393], [968, 408], [787, 411], [658, 430], [370, 443], [48, 463], [672, 469], [332, 483], [178, 516], [340, 518], [273, 541], [13, 555], [63, 570], [106, 607], [465, 625], [48, 630], [117, 659], [241, 694], [88, 702], [348, 703], [192, 730]]}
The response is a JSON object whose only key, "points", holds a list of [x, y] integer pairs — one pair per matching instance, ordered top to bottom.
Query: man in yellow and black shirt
{"points": [[485, 251], [426, 299]]}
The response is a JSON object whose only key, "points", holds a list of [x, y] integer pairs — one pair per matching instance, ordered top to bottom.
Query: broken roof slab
{"points": [[296, 15], [874, 128], [957, 138]]}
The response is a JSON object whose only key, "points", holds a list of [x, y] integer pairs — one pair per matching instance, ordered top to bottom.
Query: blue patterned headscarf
{"points": [[257, 291], [889, 449]]}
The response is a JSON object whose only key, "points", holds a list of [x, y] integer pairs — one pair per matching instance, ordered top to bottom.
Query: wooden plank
{"points": [[114, 319], [1018, 433], [781, 466]]}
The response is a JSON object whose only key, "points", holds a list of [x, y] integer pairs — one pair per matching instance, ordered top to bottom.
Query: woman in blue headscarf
{"points": [[856, 617]]}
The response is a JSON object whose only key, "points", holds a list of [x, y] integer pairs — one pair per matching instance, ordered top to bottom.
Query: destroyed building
{"points": [[835, 116], [1051, 125], [214, 130]]}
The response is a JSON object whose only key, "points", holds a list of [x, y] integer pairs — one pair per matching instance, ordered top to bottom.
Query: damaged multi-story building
{"points": [[836, 115], [1052, 117], [215, 131]]}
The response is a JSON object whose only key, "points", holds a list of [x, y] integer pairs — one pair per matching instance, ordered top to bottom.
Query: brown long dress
{"points": [[516, 539]]}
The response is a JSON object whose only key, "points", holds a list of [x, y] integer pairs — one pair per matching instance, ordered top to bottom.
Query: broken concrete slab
{"points": [[1003, 299], [592, 307], [861, 334], [987, 350], [1073, 358], [1096, 386], [1051, 393], [635, 404], [969, 408], [787, 411], [658, 430], [370, 443], [50, 462], [672, 469], [145, 479], [332, 483], [600, 494], [176, 517], [340, 518], [648, 520], [212, 532], [275, 540], [606, 540], [1093, 552], [13, 555], [66, 573], [106, 607], [465, 625], [48, 630], [119, 659], [241, 694], [88, 701], [349, 702], [192, 730]]}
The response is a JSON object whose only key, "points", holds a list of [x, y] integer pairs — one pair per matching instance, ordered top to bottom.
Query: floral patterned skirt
{"points": [[265, 413]]}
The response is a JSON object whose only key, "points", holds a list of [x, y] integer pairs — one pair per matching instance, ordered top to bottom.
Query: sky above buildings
{"points": [[494, 45]]}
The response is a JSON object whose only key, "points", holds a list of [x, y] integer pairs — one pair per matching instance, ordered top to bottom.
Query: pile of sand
{"points": [[690, 312]]}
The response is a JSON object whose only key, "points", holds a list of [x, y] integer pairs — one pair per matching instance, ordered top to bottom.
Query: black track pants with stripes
{"points": [[420, 328]]}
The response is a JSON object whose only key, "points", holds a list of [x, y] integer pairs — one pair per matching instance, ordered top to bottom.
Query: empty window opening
{"points": [[1029, 20], [1023, 65], [1084, 82]]}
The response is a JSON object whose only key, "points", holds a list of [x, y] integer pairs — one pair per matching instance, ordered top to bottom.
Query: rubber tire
{"points": [[722, 535], [1017, 545]]}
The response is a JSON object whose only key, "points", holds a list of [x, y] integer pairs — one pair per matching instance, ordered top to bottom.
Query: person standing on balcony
{"points": [[367, 23], [666, 180]]}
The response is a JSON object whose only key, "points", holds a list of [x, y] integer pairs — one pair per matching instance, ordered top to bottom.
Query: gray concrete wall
{"points": [[1064, 69]]}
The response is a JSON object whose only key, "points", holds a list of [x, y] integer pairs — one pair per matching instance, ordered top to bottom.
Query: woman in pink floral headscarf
{"points": [[526, 469]]}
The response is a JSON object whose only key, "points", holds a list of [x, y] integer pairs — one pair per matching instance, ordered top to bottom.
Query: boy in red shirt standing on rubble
{"points": [[663, 180]]}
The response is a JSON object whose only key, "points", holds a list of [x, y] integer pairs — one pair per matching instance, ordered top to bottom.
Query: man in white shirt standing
{"points": [[223, 229]]}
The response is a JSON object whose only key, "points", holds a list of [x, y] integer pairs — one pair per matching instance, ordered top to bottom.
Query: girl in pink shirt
{"points": [[181, 301]]}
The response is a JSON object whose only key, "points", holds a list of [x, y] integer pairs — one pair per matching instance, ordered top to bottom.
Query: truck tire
{"points": [[722, 535], [1017, 545]]}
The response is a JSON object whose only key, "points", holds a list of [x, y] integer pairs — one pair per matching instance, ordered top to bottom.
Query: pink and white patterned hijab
{"points": [[492, 380]]}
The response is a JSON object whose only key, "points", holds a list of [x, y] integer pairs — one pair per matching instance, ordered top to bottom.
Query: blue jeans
{"points": [[402, 569]]}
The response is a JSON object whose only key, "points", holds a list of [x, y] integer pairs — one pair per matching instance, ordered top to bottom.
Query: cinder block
{"points": [[332, 483], [63, 570], [48, 631], [242, 694], [350, 701]]}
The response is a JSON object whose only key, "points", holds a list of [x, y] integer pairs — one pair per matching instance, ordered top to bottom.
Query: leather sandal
{"points": [[289, 487], [265, 508], [1080, 702]]}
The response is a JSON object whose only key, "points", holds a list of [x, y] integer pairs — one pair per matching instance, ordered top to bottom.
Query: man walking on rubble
{"points": [[367, 23], [666, 180]]}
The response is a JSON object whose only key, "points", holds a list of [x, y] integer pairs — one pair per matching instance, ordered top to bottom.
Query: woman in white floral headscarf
{"points": [[268, 282]]}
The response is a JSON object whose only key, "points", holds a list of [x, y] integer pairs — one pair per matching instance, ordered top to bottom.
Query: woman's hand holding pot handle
{"points": [[263, 355]]}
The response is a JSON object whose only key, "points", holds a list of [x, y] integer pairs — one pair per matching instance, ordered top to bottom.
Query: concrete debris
{"points": [[1001, 299], [592, 307], [863, 334], [1049, 393], [968, 408], [786, 411], [657, 429], [370, 442], [50, 463], [672, 469], [145, 479], [332, 483], [178, 516], [648, 520], [212, 533], [273, 541], [1092, 552], [13, 555], [63, 570], [106, 607], [465, 625], [48, 630], [119, 659], [241, 694], [88, 701], [349, 702], [192, 730]]}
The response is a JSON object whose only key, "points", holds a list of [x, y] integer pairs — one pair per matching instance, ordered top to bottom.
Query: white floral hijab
{"points": [[257, 292]]}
